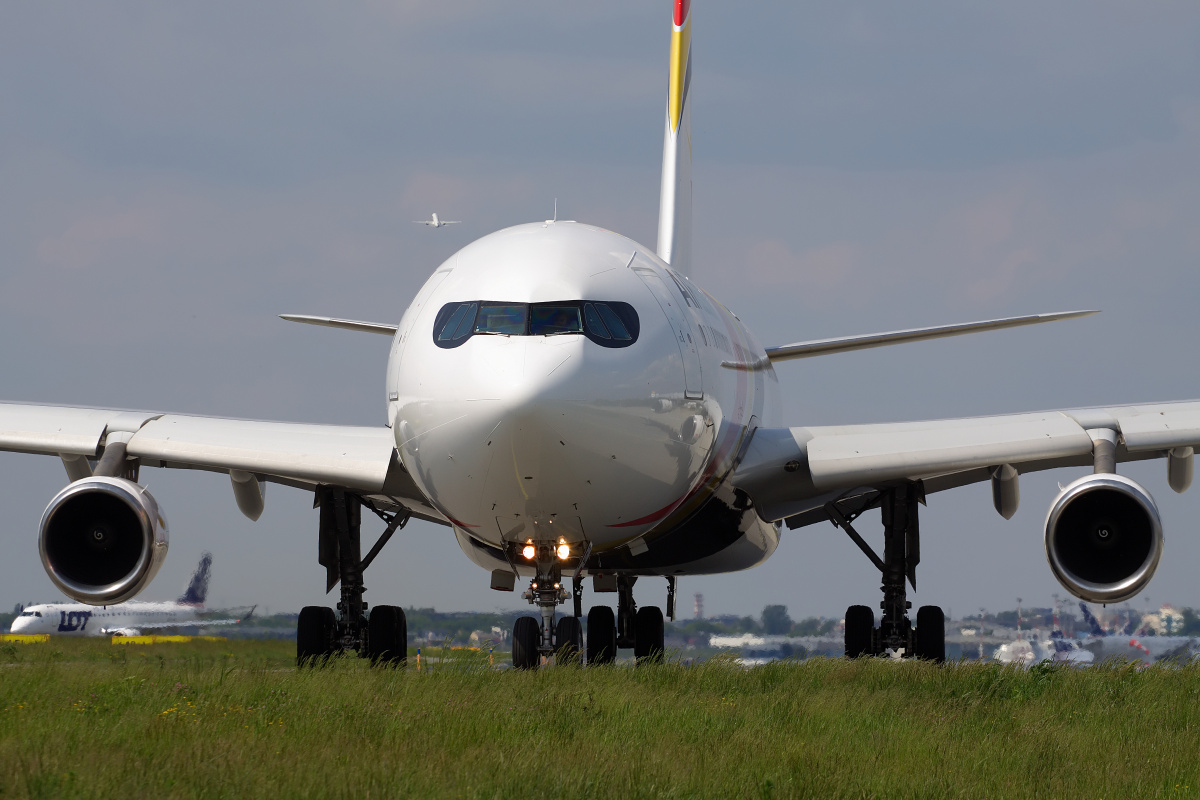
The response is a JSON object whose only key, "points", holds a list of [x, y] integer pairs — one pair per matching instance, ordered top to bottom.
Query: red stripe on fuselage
{"points": [[654, 517]]}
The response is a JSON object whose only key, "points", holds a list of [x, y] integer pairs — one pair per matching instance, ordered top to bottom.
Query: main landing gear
{"points": [[901, 554], [631, 627], [382, 634], [536, 639]]}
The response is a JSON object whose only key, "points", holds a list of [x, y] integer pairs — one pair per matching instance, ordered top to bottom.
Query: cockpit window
{"points": [[503, 318], [547, 320], [594, 323], [607, 323], [448, 328], [619, 330]]}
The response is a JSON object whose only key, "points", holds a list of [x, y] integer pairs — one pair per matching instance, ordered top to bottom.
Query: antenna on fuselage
{"points": [[549, 221]]}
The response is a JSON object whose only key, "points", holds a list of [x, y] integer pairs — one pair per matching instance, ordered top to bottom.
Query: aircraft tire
{"points": [[860, 625], [315, 630], [648, 635], [387, 636], [527, 636], [601, 636], [568, 637], [930, 643]]}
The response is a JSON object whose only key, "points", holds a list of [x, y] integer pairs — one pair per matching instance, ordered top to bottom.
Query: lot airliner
{"points": [[571, 405], [124, 619]]}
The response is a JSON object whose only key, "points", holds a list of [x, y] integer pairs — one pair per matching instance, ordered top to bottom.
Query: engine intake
{"points": [[1104, 538], [102, 540]]}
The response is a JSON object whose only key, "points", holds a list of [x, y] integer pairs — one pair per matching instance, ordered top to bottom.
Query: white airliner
{"points": [[435, 222], [570, 404], [123, 619]]}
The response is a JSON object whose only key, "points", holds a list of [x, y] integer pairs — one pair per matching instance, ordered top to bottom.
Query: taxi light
{"points": [[528, 551], [564, 552]]}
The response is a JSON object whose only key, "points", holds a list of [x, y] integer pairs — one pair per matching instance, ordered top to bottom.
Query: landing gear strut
{"points": [[901, 554], [626, 612], [382, 635], [534, 637]]}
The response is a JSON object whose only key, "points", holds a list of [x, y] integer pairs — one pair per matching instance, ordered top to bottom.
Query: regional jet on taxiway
{"points": [[570, 405]]}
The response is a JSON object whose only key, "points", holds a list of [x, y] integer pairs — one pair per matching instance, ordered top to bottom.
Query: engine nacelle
{"points": [[1104, 538], [102, 540]]}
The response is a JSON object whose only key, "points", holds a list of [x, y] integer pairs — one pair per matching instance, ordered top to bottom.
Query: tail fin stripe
{"points": [[681, 62]]}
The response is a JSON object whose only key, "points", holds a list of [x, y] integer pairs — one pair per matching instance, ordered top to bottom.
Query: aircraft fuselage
{"points": [[539, 421], [78, 619]]}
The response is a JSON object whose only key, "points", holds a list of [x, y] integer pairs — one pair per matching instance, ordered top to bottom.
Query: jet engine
{"points": [[1104, 538], [102, 540]]}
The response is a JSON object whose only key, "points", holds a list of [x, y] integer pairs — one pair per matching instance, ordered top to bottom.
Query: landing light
{"points": [[528, 551], [564, 552]]}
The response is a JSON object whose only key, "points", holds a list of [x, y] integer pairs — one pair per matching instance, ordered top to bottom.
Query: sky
{"points": [[173, 176]]}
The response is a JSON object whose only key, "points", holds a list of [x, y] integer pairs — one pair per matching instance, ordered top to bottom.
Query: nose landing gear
{"points": [[534, 637]]}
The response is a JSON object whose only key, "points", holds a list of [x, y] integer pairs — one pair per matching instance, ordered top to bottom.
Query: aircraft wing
{"points": [[362, 459], [791, 473]]}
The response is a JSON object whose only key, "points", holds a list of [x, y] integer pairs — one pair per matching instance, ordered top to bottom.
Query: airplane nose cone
{"points": [[558, 438]]}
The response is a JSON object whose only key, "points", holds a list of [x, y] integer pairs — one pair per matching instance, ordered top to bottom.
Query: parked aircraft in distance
{"points": [[436, 222], [571, 405], [124, 619], [1129, 644], [1036, 647]]}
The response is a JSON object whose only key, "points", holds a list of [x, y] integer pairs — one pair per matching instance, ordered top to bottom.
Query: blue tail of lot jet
{"points": [[197, 588], [1097, 628]]}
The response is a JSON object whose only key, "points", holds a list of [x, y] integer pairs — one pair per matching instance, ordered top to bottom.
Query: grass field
{"points": [[236, 719]]}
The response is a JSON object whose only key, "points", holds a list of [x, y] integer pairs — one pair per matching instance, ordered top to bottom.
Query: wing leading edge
{"points": [[362, 459], [790, 473]]}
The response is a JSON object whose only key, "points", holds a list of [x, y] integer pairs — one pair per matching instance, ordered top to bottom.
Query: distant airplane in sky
{"points": [[436, 222], [571, 405], [123, 619]]}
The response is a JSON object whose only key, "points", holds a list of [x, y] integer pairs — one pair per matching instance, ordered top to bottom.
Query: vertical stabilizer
{"points": [[675, 201], [197, 589], [1094, 624]]}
